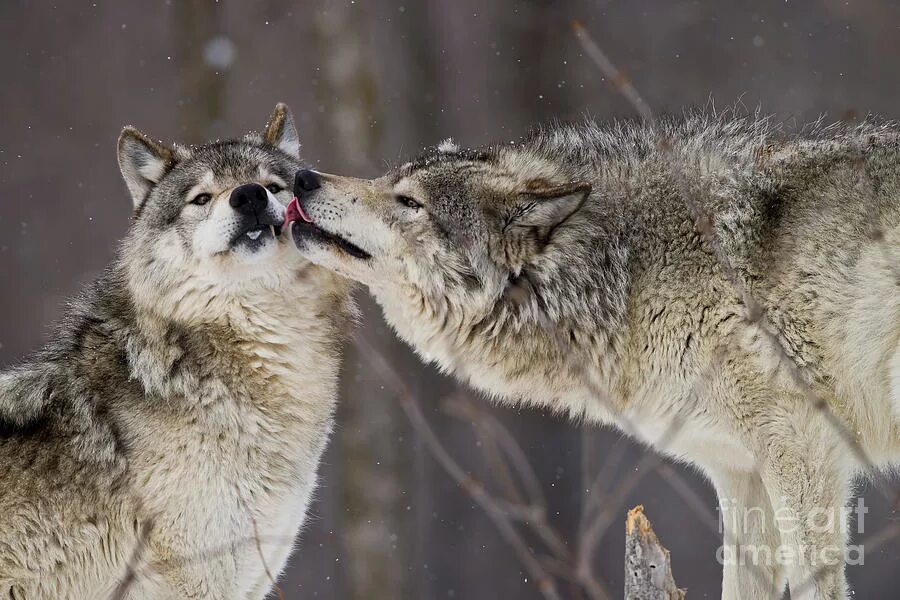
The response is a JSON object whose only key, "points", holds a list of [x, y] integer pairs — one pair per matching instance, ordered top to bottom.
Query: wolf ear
{"points": [[281, 131], [143, 163], [548, 204]]}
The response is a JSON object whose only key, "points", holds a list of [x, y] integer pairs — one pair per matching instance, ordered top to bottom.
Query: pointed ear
{"points": [[281, 131], [143, 163], [548, 205]]}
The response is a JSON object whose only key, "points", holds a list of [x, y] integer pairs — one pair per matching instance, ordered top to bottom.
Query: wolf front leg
{"points": [[806, 473], [749, 538]]}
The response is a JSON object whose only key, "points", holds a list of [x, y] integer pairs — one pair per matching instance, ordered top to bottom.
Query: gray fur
{"points": [[567, 271], [181, 407]]}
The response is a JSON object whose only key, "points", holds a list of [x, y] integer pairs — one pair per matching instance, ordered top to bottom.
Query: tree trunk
{"points": [[204, 61], [372, 479]]}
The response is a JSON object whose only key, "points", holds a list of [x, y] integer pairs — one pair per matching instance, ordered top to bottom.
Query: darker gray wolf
{"points": [[621, 273]]}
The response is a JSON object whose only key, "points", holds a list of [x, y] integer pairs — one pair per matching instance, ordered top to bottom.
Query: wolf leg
{"points": [[807, 483], [750, 538]]}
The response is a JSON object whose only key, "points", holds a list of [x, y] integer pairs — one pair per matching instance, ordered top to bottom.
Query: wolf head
{"points": [[208, 219], [454, 224]]}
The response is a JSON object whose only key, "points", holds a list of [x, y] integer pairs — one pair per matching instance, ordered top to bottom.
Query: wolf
{"points": [[718, 288], [165, 443]]}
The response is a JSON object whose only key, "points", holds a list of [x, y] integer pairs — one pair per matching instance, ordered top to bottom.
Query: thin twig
{"points": [[617, 78], [463, 411], [493, 431], [500, 435], [691, 498], [494, 510], [597, 527], [879, 539], [262, 557], [131, 568]]}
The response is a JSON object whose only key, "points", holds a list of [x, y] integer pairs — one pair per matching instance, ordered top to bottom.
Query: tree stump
{"points": [[648, 572]]}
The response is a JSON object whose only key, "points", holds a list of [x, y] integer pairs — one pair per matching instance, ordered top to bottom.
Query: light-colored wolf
{"points": [[573, 271], [165, 443]]}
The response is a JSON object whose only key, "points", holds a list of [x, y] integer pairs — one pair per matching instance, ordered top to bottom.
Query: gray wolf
{"points": [[570, 271], [165, 443]]}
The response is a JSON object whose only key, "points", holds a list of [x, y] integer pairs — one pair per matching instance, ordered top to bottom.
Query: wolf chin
{"points": [[570, 271], [165, 443]]}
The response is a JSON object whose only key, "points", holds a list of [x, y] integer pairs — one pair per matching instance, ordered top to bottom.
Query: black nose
{"points": [[306, 181], [249, 199]]}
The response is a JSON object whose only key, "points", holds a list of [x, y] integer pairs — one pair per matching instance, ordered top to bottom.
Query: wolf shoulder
{"points": [[63, 401]]}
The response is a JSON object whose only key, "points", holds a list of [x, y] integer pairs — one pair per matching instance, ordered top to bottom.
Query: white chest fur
{"points": [[228, 472]]}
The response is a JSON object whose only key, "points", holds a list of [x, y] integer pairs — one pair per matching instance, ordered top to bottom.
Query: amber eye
{"points": [[274, 188], [201, 199], [408, 202]]}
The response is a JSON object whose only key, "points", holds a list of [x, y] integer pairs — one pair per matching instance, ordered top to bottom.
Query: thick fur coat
{"points": [[664, 278], [165, 442]]}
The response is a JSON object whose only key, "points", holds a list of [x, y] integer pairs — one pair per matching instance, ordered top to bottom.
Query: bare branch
{"points": [[617, 78], [497, 433], [691, 498], [496, 511], [262, 556], [134, 562]]}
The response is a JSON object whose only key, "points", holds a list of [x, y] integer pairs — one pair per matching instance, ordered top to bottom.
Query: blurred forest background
{"points": [[371, 82]]}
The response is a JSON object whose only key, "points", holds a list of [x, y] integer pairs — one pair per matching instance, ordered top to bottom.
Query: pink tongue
{"points": [[295, 213]]}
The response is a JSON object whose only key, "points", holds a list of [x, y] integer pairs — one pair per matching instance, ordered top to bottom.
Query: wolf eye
{"points": [[274, 188], [201, 199], [408, 202]]}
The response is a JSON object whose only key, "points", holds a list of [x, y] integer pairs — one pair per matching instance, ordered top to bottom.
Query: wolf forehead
{"points": [[445, 157], [233, 161], [220, 164], [514, 164]]}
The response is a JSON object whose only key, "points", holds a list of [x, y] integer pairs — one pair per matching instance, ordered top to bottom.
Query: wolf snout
{"points": [[306, 181], [249, 199]]}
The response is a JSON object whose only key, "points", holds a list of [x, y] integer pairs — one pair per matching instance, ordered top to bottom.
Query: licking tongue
{"points": [[295, 213]]}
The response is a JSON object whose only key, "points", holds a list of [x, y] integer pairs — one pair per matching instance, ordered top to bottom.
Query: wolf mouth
{"points": [[303, 230], [255, 236]]}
